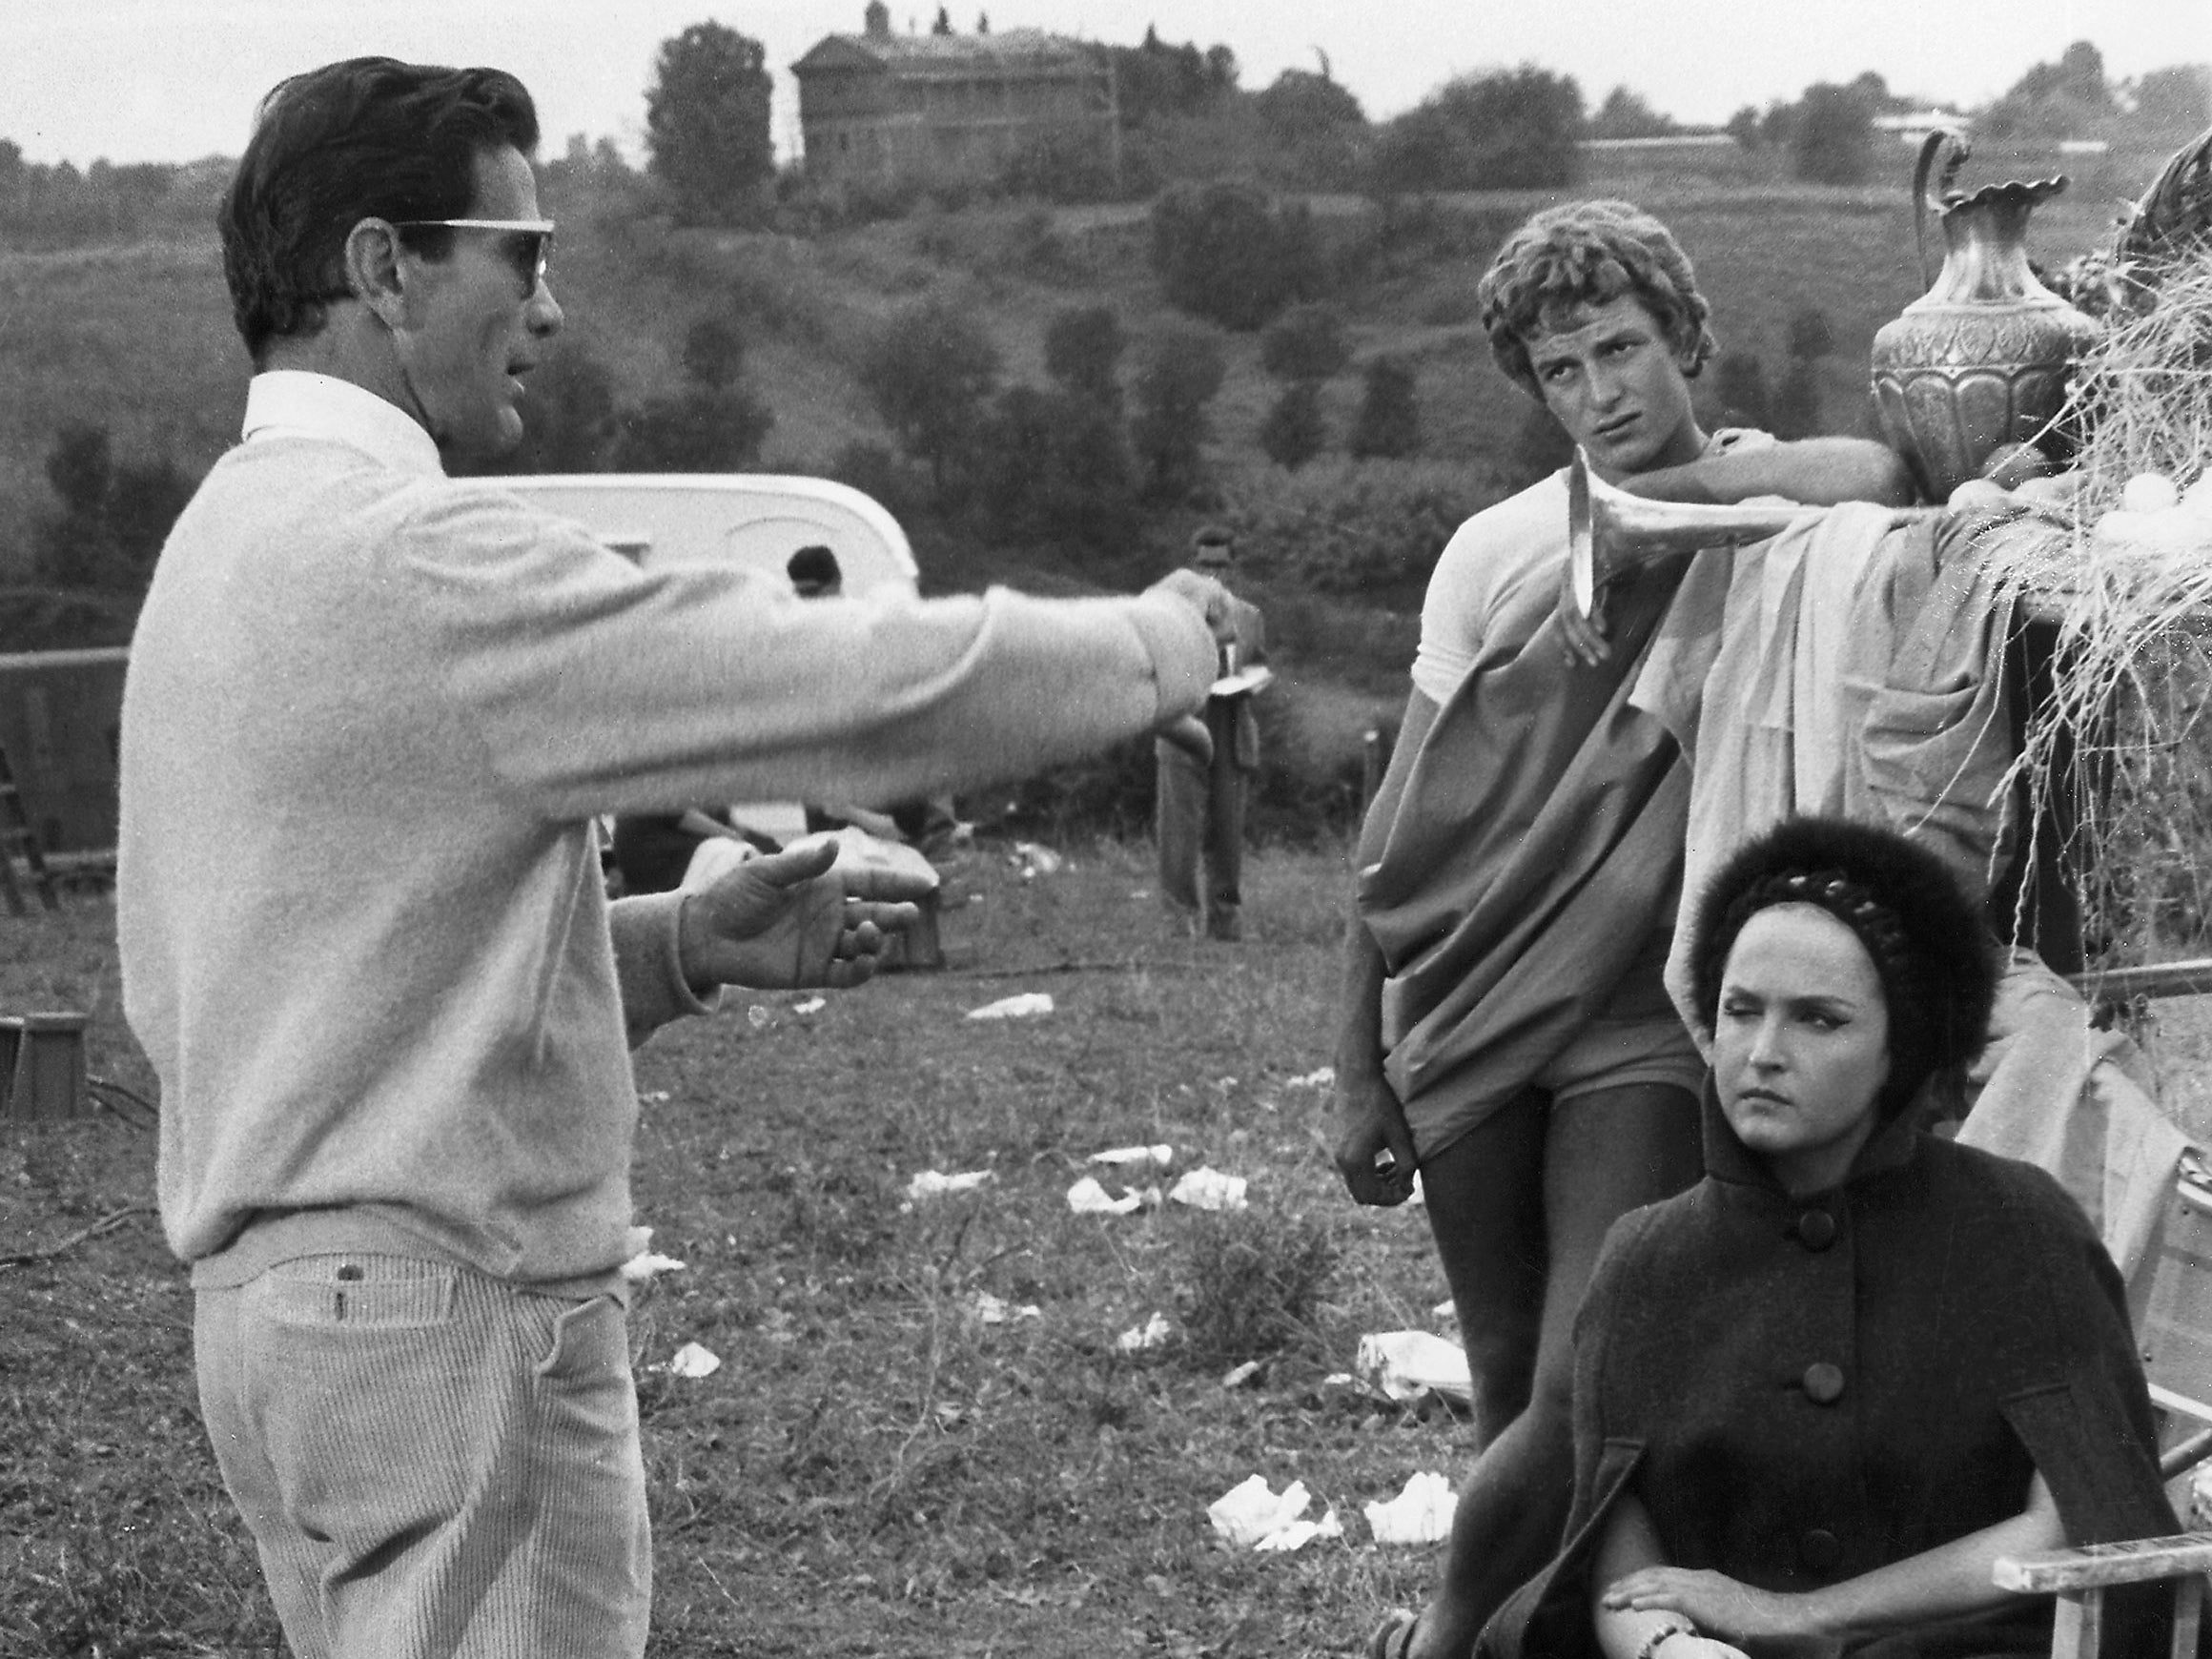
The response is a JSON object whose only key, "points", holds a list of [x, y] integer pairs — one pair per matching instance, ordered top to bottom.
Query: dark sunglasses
{"points": [[528, 242]]}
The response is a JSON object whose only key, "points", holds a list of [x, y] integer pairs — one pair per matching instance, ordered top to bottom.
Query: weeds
{"points": [[1255, 1282]]}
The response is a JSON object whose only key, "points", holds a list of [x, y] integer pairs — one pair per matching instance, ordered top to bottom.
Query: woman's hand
{"points": [[1711, 1601]]}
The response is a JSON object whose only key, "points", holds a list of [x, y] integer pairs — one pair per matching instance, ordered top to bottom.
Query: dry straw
{"points": [[2133, 668]]}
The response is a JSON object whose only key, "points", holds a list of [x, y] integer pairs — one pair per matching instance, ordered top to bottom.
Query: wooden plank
{"points": [[2151, 979], [2094, 1566], [2188, 1614], [2078, 1630]]}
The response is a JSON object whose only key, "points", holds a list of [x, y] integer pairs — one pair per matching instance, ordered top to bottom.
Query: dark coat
{"points": [[1801, 1391]]}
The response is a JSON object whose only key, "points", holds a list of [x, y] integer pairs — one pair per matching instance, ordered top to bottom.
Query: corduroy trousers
{"points": [[433, 1464]]}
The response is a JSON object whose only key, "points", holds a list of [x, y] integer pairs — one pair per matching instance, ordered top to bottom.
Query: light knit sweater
{"points": [[369, 715]]}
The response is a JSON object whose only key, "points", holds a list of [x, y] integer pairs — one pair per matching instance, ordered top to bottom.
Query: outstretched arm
{"points": [[1818, 471], [791, 920], [1948, 1582]]}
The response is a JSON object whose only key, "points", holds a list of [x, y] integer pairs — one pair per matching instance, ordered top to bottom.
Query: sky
{"points": [[174, 80]]}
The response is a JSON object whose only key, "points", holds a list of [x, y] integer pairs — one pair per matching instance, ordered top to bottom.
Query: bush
{"points": [[706, 126], [1507, 129], [1831, 140], [1067, 167], [1225, 252], [1305, 344], [1083, 347], [1181, 370], [931, 373], [1740, 383], [1798, 401], [568, 418], [1388, 424], [699, 429], [1294, 431], [1540, 447], [1055, 467], [115, 515], [1360, 527], [1253, 1282]]}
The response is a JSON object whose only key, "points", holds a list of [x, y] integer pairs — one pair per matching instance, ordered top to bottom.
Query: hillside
{"points": [[138, 339]]}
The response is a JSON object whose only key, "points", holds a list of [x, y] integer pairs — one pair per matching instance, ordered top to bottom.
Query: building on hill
{"points": [[876, 108]]}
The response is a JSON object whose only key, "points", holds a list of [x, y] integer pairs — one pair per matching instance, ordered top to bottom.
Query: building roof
{"points": [[1016, 48]]}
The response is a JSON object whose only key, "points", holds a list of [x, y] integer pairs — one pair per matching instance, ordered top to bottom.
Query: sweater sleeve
{"points": [[598, 687], [649, 965]]}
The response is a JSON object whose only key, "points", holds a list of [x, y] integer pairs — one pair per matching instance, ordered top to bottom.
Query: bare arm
{"points": [[1818, 471], [1370, 1119], [1631, 1545], [1948, 1582]]}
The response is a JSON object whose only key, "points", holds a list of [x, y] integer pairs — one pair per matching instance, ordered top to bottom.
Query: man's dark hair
{"points": [[370, 137], [813, 568]]}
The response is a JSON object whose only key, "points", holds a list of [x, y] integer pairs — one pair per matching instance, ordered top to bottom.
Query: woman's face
{"points": [[1801, 1044]]}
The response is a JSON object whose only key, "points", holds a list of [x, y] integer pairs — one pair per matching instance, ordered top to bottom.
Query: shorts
{"points": [[1619, 1054]]}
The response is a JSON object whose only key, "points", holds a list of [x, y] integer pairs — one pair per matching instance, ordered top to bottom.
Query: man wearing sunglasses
{"points": [[372, 715]]}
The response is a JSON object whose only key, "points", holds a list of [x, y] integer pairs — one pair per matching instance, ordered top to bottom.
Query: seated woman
{"points": [[1817, 1395]]}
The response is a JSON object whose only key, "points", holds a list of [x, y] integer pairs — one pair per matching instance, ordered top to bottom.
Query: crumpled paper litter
{"points": [[1026, 1005], [1160, 1153], [1208, 1189], [1087, 1198], [992, 1310], [1152, 1334], [693, 1361], [1406, 1365], [1419, 1514], [1254, 1515]]}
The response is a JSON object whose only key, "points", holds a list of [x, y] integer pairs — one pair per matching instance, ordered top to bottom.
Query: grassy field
{"points": [[873, 1469]]}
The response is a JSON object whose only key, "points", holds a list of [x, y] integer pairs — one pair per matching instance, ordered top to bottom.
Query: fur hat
{"points": [[1928, 941]]}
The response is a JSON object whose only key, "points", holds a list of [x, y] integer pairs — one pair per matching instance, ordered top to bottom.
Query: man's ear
{"points": [[374, 269]]}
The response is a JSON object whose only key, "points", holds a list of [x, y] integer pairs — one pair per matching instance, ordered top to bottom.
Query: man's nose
{"points": [[544, 315]]}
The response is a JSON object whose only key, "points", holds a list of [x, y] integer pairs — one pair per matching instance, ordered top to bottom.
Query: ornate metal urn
{"points": [[1983, 358]]}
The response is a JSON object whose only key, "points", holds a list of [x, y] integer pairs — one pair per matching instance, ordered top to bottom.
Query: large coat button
{"points": [[1816, 1229], [1823, 1382], [1819, 1550]]}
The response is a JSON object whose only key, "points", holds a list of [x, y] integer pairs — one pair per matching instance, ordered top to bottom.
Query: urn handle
{"points": [[1930, 147]]}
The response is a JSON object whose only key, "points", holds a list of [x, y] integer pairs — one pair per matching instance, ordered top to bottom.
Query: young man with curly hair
{"points": [[1504, 1029]]}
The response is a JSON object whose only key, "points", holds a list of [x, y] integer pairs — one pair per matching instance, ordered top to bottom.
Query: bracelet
{"points": [[1651, 1642]]}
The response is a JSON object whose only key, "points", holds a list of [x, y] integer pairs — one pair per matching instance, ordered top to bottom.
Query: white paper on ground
{"points": [[1027, 1005], [1160, 1152], [931, 1184], [1209, 1189], [1087, 1198], [646, 1265], [992, 1310], [1155, 1331], [693, 1361], [1405, 1364], [1253, 1510], [1419, 1514], [1300, 1533]]}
